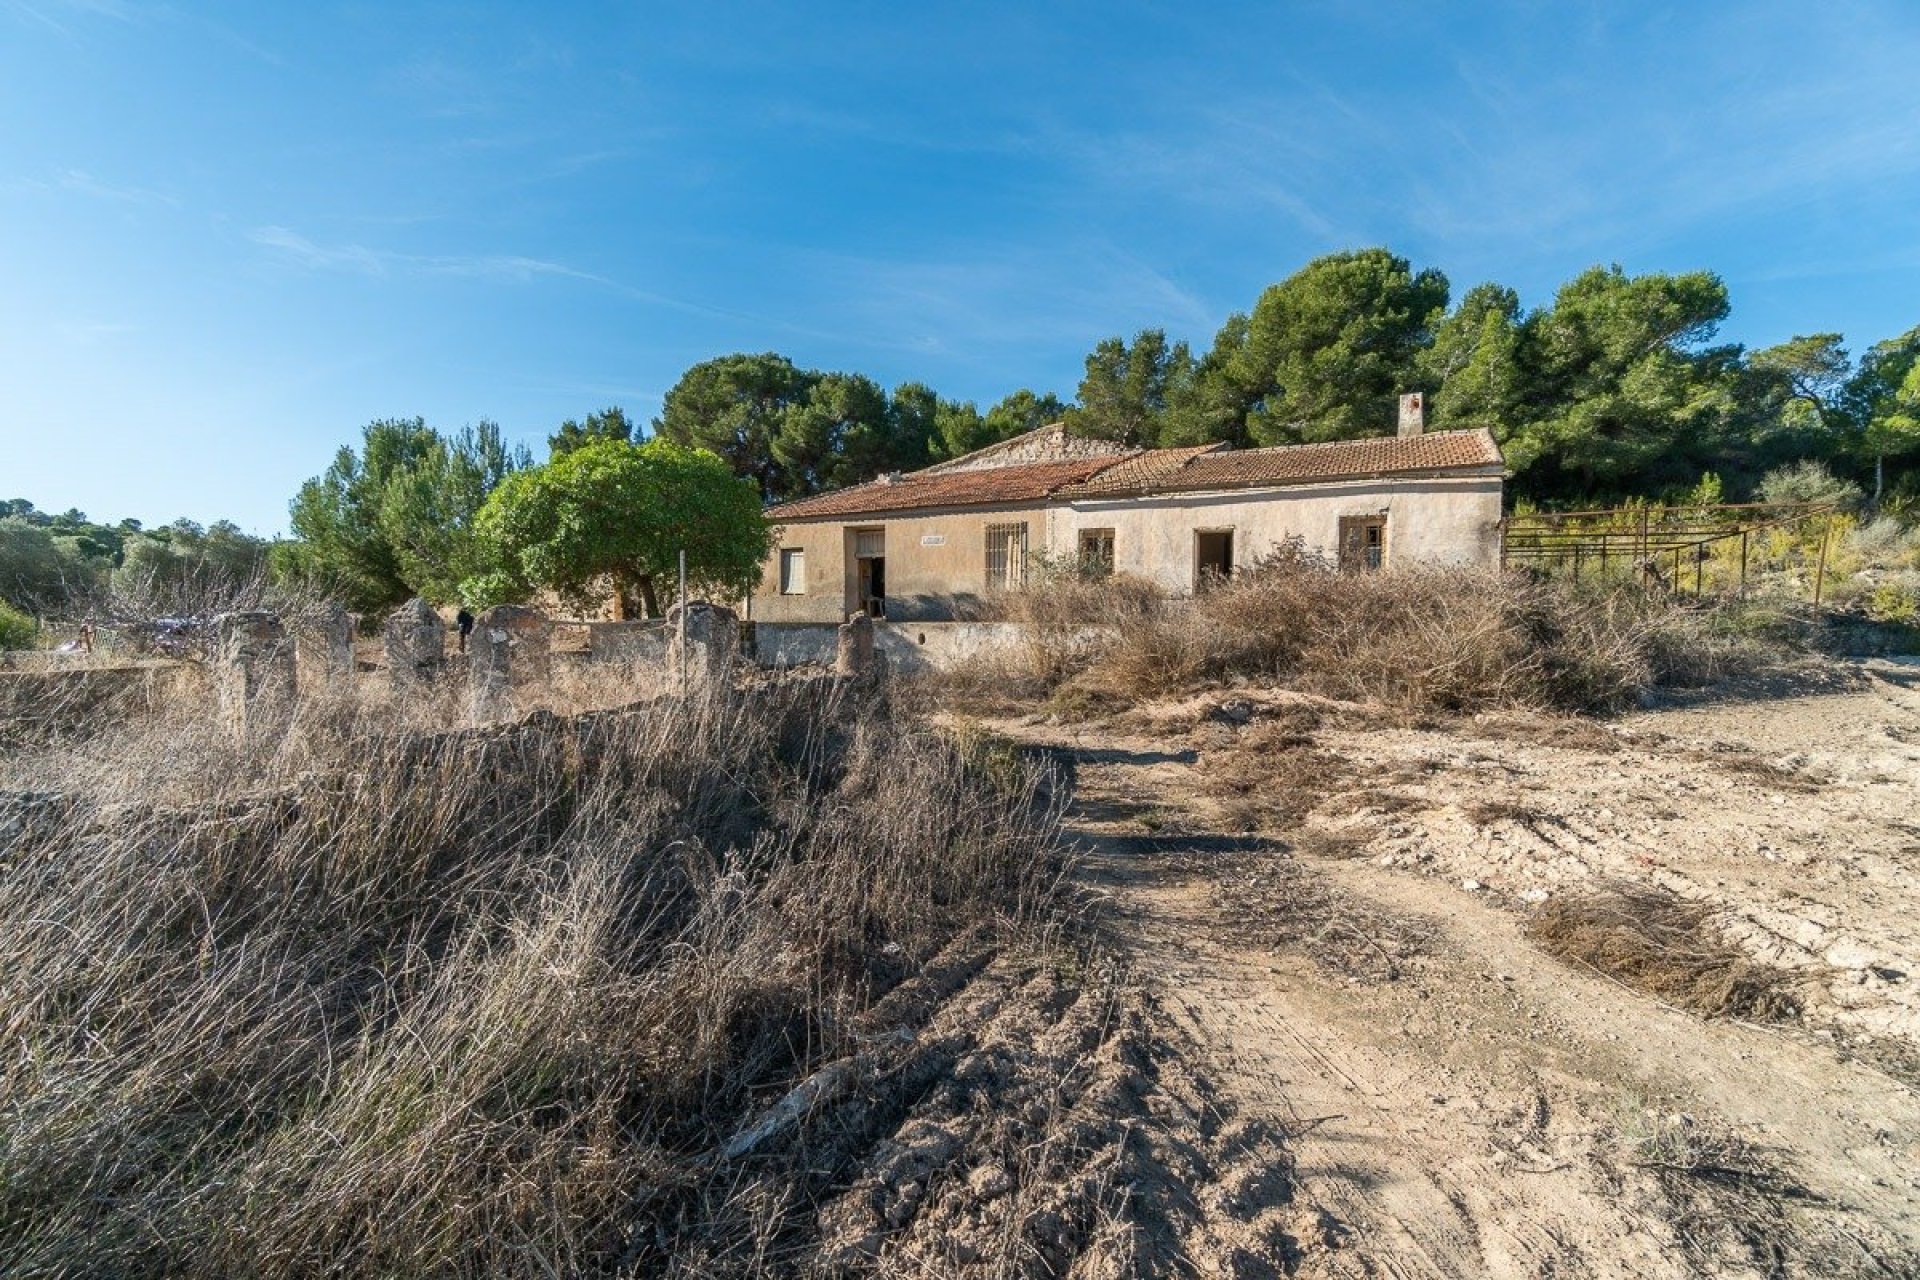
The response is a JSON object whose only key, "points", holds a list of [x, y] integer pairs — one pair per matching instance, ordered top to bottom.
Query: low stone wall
{"points": [[630, 642], [909, 646]]}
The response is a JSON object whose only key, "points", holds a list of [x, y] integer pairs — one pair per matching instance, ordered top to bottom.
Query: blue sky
{"points": [[232, 234]]}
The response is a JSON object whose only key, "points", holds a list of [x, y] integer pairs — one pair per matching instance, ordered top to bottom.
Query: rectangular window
{"points": [[1363, 543], [1096, 552], [1006, 555], [1212, 557], [793, 571]]}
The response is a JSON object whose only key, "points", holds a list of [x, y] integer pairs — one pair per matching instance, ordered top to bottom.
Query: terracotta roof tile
{"points": [[1305, 464], [1155, 471], [1143, 472], [949, 489]]}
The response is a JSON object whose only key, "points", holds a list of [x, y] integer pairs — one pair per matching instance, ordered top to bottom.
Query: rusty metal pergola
{"points": [[1658, 543]]}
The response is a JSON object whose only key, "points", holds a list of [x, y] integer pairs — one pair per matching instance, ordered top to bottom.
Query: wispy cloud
{"points": [[83, 183], [359, 259], [362, 260]]}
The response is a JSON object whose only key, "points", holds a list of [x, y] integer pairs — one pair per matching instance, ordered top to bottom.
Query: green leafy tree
{"points": [[1326, 351], [1475, 366], [1129, 389], [1622, 393], [1885, 394], [734, 406], [609, 424], [960, 428], [840, 432], [427, 508], [615, 515], [335, 518], [395, 518], [189, 567], [40, 570], [18, 630]]}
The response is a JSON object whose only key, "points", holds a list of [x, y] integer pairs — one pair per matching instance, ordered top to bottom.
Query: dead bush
{"points": [[1419, 637], [1655, 942]]}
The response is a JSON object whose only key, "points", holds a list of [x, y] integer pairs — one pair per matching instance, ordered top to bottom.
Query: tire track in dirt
{"points": [[1480, 1117]]}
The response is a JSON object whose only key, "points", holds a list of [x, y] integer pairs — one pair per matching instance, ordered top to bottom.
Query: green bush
{"points": [[17, 630]]}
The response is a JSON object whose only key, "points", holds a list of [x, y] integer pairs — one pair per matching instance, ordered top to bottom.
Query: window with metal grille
{"points": [[1006, 555], [793, 571]]}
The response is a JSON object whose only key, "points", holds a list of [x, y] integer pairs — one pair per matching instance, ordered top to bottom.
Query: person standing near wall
{"points": [[464, 621]]}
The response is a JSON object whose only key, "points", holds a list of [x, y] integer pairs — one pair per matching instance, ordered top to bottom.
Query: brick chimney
{"points": [[1413, 413]]}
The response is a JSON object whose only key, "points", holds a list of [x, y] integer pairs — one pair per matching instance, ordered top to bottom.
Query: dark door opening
{"points": [[1363, 543], [1212, 556], [873, 585]]}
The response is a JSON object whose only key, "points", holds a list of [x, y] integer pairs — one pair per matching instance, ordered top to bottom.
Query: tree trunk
{"points": [[1879, 477], [648, 597]]}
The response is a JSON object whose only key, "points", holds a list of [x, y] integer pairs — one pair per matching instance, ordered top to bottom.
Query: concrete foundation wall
{"points": [[909, 646]]}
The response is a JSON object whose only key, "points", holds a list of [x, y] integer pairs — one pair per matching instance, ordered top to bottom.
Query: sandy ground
{"points": [[1329, 906]]}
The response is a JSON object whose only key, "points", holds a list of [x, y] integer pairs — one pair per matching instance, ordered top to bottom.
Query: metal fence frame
{"points": [[1644, 537]]}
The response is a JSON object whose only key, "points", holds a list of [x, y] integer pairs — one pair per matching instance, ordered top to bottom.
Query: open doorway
{"points": [[1212, 556], [869, 572]]}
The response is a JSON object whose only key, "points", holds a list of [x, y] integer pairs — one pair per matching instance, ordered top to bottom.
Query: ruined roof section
{"points": [[1050, 443], [1297, 464], [1143, 472], [983, 487]]}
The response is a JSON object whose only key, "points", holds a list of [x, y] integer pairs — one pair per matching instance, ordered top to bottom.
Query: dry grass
{"points": [[1430, 639], [1655, 942], [392, 1001]]}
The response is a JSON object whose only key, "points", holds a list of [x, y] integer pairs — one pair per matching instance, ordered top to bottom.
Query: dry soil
{"points": [[1328, 908]]}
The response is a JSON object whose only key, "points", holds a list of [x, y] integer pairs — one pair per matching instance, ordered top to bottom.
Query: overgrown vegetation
{"points": [[1457, 640], [484, 1002]]}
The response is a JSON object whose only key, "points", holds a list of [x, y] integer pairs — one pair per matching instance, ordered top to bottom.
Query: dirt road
{"points": [[1334, 906]]}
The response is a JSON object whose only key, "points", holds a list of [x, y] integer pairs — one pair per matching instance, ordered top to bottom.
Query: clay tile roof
{"points": [[1305, 463], [1142, 472], [944, 489]]}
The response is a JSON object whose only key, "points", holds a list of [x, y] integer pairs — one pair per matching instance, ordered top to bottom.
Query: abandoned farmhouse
{"points": [[920, 546]]}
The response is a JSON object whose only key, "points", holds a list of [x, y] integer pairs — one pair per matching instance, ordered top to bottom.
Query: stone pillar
{"points": [[712, 637], [324, 644], [416, 645], [855, 655], [509, 660], [254, 673]]}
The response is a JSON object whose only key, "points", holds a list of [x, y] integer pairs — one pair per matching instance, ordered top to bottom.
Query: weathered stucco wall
{"points": [[1435, 521], [935, 560]]}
